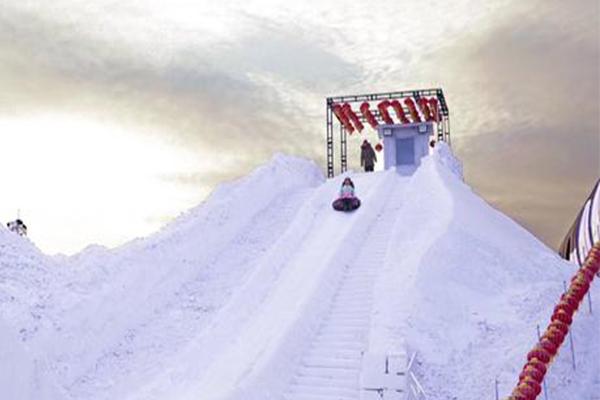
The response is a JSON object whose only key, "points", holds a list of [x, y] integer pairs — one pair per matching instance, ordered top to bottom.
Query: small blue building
{"points": [[405, 144]]}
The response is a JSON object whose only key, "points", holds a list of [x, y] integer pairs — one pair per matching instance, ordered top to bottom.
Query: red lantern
{"points": [[424, 106], [364, 109], [412, 109], [435, 110], [383, 111], [399, 111], [339, 113], [351, 115], [378, 147], [593, 268], [587, 273], [582, 277], [580, 287], [576, 292], [570, 300], [566, 307], [562, 317], [561, 326], [555, 336], [548, 346], [539, 353], [537, 364], [531, 372], [529, 381], [526, 391], [517, 395]]}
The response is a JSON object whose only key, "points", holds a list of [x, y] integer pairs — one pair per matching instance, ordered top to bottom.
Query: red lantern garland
{"points": [[424, 106], [364, 109], [435, 110], [383, 111], [399, 111], [339, 113], [414, 114], [351, 115], [378, 147], [538, 359]]}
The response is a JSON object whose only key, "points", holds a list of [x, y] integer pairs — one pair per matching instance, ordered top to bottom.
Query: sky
{"points": [[117, 116]]}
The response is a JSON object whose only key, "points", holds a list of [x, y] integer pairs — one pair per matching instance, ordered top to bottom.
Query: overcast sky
{"points": [[116, 116]]}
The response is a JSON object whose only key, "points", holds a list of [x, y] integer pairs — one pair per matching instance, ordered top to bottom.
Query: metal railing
{"points": [[415, 389]]}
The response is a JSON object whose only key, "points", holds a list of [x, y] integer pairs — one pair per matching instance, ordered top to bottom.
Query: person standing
{"points": [[368, 158]]}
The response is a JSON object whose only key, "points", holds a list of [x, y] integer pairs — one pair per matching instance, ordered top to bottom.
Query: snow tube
{"points": [[346, 204]]}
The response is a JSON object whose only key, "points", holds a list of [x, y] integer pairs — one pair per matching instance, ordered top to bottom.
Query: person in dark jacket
{"points": [[368, 158]]}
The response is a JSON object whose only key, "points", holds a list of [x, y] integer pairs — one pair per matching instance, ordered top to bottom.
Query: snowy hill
{"points": [[264, 292]]}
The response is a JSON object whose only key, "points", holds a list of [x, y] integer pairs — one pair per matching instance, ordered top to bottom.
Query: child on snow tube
{"points": [[347, 200]]}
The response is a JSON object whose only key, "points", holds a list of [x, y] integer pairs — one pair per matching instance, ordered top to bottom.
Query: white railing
{"points": [[415, 389]]}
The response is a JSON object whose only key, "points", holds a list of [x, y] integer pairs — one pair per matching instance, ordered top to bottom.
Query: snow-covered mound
{"points": [[264, 292], [23, 377]]}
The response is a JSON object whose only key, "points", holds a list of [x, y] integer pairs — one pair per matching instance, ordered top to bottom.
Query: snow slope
{"points": [[264, 292]]}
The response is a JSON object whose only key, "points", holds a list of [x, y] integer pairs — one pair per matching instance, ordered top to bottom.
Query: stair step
{"points": [[327, 362], [331, 373], [325, 381], [333, 392], [302, 396]]}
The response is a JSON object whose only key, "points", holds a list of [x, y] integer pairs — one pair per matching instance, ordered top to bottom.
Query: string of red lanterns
{"points": [[428, 108], [543, 353]]}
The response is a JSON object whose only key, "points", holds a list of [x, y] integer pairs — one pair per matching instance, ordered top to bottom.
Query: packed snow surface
{"points": [[264, 292]]}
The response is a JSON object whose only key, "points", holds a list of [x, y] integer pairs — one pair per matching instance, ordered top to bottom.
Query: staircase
{"points": [[331, 368]]}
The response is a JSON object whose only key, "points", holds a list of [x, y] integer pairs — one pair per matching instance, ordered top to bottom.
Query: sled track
{"points": [[330, 368]]}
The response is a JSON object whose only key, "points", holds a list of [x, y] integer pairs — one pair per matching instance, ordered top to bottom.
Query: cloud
{"points": [[236, 83], [525, 112]]}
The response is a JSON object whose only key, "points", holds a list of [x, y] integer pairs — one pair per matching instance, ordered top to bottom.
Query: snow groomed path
{"points": [[298, 327], [331, 367]]}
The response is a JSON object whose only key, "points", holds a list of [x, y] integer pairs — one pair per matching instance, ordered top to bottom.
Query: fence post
{"points": [[570, 334], [544, 380], [496, 386]]}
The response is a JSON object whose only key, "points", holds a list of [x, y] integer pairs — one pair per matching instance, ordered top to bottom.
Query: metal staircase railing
{"points": [[415, 389]]}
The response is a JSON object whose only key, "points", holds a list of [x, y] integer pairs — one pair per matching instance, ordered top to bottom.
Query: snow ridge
{"points": [[264, 292]]}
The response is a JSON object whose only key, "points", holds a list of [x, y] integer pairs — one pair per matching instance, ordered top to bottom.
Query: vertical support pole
{"points": [[329, 116], [343, 149], [570, 334], [539, 335], [496, 386]]}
